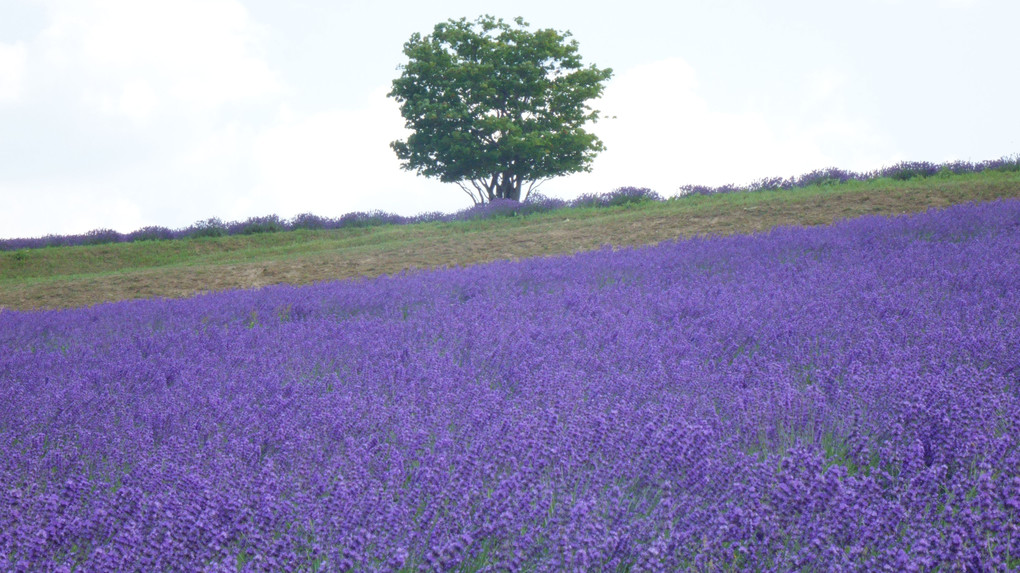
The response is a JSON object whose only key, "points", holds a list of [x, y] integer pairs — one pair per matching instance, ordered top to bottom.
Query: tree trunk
{"points": [[504, 185], [509, 187]]}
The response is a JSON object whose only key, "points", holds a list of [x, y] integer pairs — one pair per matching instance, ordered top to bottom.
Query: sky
{"points": [[120, 114]]}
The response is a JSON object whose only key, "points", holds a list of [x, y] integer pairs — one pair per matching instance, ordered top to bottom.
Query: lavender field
{"points": [[828, 398]]}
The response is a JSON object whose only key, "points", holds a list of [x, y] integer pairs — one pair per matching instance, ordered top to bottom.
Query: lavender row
{"points": [[903, 171], [536, 203], [215, 227], [839, 398]]}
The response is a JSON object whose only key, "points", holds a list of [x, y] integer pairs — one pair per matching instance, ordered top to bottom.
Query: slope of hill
{"points": [[62, 277]]}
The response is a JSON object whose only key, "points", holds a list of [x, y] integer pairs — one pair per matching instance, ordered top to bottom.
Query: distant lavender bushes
{"points": [[902, 171], [537, 203], [272, 223], [841, 398]]}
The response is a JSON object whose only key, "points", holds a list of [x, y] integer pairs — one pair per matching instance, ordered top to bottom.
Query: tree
{"points": [[495, 107]]}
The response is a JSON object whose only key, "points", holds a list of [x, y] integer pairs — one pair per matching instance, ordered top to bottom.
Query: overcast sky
{"points": [[126, 113]]}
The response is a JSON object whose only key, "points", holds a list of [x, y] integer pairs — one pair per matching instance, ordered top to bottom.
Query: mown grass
{"points": [[61, 277]]}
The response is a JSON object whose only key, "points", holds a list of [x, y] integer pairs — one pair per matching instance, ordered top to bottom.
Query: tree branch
{"points": [[534, 184], [492, 186], [470, 193]]}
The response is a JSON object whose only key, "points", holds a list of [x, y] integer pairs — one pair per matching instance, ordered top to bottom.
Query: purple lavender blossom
{"points": [[838, 398]]}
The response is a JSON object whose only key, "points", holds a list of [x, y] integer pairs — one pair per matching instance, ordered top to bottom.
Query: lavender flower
{"points": [[838, 398]]}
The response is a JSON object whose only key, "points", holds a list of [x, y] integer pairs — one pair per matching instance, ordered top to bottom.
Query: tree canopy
{"points": [[495, 107]]}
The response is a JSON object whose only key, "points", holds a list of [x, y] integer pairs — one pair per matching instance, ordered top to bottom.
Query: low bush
{"points": [[255, 225], [208, 228], [152, 233], [101, 237]]}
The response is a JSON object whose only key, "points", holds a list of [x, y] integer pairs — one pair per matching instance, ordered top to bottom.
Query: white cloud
{"points": [[200, 54], [12, 71], [188, 75], [824, 85], [137, 101], [666, 134], [227, 145], [338, 161], [327, 163], [64, 210]]}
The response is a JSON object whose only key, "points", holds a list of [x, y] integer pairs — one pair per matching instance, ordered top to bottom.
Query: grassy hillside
{"points": [[60, 277]]}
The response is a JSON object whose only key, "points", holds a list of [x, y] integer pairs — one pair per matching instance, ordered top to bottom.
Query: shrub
{"points": [[1003, 164], [908, 170], [827, 176], [770, 184], [707, 190], [629, 196], [587, 200], [539, 203], [491, 210], [429, 217], [369, 219], [309, 221], [255, 225], [209, 228], [151, 233], [100, 237]]}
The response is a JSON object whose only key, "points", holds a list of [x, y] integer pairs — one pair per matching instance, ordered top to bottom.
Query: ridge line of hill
{"points": [[64, 277]]}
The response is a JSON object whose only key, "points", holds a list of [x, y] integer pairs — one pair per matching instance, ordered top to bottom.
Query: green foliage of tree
{"points": [[496, 108]]}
